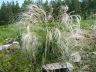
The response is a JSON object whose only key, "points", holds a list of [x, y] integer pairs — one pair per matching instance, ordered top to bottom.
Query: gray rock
{"points": [[13, 45], [75, 57]]}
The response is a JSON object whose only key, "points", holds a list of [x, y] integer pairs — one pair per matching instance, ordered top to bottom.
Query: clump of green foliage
{"points": [[9, 31], [14, 62]]}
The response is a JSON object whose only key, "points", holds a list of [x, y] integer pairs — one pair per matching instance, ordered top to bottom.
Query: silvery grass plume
{"points": [[37, 11], [33, 16], [50, 17], [65, 17], [70, 21], [54, 36], [30, 40], [73, 40], [30, 43], [58, 43]]}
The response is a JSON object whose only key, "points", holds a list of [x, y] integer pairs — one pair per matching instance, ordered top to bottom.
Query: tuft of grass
{"points": [[87, 24]]}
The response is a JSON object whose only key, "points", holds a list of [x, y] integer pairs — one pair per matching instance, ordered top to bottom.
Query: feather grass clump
{"points": [[30, 40], [30, 43], [51, 43]]}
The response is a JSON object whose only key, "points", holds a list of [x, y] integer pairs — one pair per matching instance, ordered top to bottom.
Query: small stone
{"points": [[75, 57]]}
